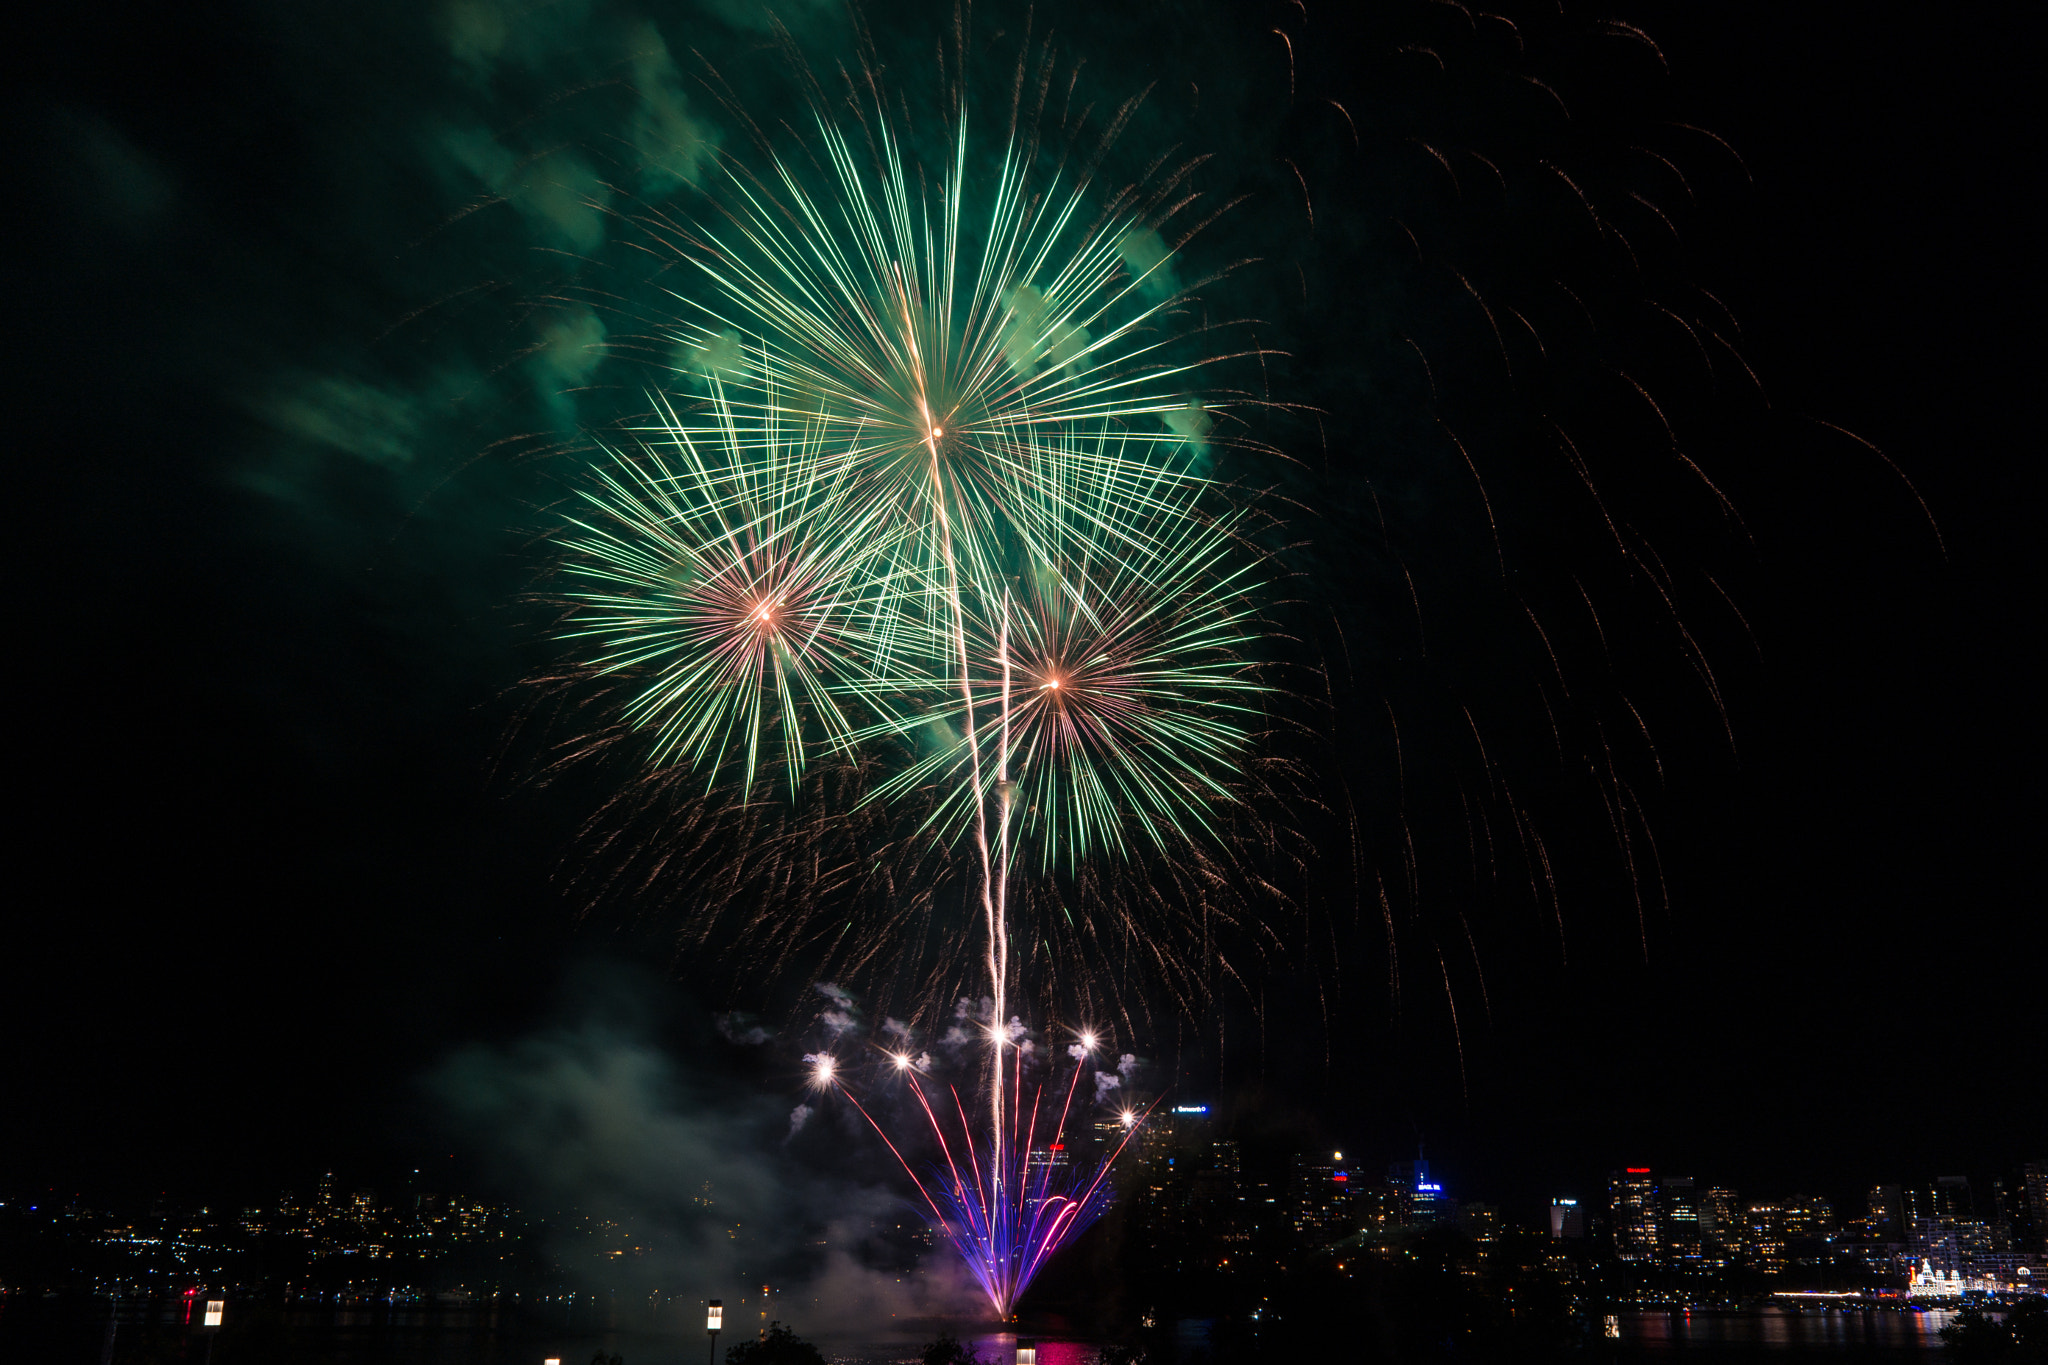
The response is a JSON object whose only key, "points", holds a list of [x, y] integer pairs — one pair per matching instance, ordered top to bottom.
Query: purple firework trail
{"points": [[1006, 1206]]}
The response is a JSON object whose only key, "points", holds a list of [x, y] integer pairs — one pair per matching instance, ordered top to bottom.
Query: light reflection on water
{"points": [[1783, 1327], [489, 1335]]}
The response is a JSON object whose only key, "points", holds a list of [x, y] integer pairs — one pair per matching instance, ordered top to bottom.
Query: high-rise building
{"points": [[1185, 1127], [1112, 1133], [1216, 1194], [1320, 1198], [2034, 1198], [1420, 1199], [1952, 1199], [1187, 1200], [1372, 1205], [1632, 1208], [324, 1209], [2002, 1211], [1887, 1213], [1808, 1218], [1567, 1219], [1678, 1221], [1721, 1226], [1763, 1241], [1934, 1242]]}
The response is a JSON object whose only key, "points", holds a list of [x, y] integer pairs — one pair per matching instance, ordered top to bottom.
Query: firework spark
{"points": [[939, 336], [738, 583], [1108, 671], [1005, 1206]]}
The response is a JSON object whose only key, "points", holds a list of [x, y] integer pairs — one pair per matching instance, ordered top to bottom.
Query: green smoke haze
{"points": [[400, 265]]}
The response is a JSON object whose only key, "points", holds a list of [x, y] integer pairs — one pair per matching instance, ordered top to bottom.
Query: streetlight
{"points": [[215, 1310], [714, 1318]]}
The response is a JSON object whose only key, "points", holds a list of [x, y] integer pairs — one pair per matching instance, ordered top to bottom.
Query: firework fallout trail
{"points": [[1008, 1212]]}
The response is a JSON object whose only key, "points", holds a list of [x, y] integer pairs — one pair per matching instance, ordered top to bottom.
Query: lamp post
{"points": [[714, 1318]]}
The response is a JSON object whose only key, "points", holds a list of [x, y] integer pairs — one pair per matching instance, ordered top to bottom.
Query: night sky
{"points": [[275, 858]]}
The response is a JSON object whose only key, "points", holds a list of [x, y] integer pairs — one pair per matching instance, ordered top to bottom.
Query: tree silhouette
{"points": [[780, 1347]]}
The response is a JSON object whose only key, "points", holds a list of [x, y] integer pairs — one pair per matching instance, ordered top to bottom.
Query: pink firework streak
{"points": [[1008, 1207]]}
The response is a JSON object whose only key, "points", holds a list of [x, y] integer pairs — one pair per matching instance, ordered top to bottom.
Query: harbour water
{"points": [[1775, 1329], [575, 1332]]}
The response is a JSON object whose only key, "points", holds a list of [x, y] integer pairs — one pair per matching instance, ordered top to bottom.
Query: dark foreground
{"points": [[59, 1331]]}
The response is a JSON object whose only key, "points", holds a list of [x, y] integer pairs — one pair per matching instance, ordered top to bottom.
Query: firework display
{"points": [[926, 487], [741, 585], [1005, 1208]]}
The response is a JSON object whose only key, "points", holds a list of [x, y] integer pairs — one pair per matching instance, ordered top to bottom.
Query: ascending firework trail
{"points": [[927, 485]]}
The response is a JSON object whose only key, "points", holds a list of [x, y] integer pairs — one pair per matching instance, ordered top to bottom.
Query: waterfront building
{"points": [[2034, 1198], [1632, 1208], [1887, 1213], [1567, 1218], [1808, 1218], [1678, 1222], [1721, 1226], [1763, 1241], [1929, 1281]]}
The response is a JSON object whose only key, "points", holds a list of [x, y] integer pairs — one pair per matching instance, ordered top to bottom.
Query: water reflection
{"points": [[1845, 1328], [644, 1333]]}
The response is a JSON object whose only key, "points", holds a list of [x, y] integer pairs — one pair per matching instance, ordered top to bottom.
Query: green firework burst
{"points": [[935, 493]]}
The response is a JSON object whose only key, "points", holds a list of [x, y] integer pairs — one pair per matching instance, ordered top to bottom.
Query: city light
{"points": [[1921, 1245]]}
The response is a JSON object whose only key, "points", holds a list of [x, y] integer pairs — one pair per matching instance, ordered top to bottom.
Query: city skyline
{"points": [[1190, 1204]]}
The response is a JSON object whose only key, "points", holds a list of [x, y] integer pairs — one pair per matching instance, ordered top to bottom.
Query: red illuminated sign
{"points": [[1638, 1170]]}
